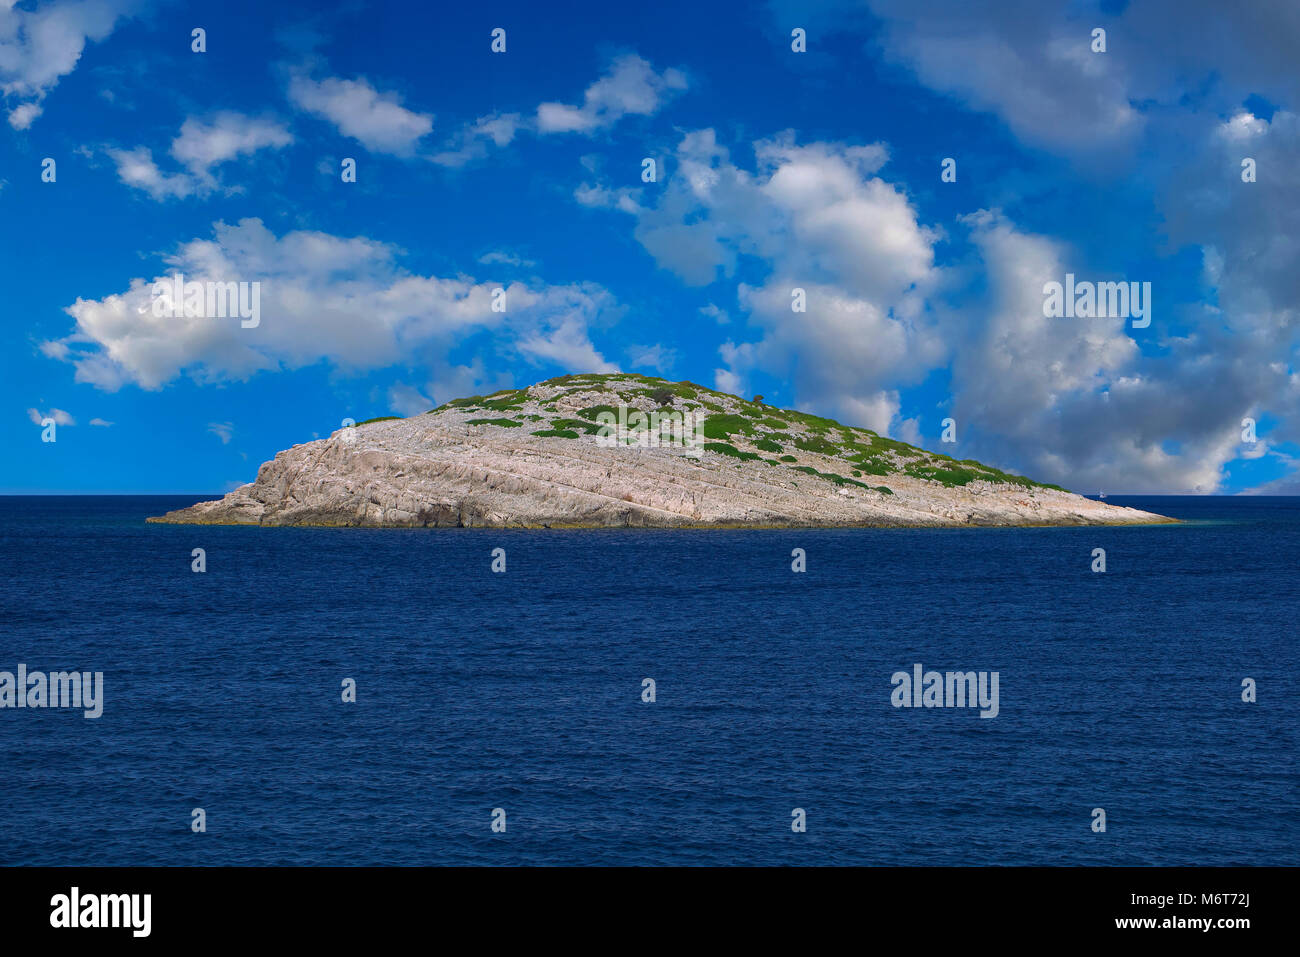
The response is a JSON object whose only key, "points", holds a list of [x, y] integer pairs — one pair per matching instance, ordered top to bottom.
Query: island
{"points": [[625, 450]]}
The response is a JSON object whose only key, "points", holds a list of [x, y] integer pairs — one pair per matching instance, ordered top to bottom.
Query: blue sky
{"points": [[776, 169]]}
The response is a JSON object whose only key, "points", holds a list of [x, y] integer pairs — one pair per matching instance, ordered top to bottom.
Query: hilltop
{"points": [[546, 456]]}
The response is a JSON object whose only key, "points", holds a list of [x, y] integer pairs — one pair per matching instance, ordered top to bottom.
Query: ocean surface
{"points": [[522, 691]]}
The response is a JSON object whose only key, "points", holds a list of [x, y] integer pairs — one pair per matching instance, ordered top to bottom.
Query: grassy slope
{"points": [[734, 427]]}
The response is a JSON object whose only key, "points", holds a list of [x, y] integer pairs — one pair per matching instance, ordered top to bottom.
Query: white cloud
{"points": [[40, 46], [1029, 62], [631, 87], [22, 116], [377, 120], [471, 141], [201, 146], [137, 168], [624, 198], [817, 211], [816, 218], [501, 257], [344, 301], [716, 313], [566, 344], [844, 354], [658, 357], [1237, 362], [724, 380], [456, 381], [407, 400], [1074, 400], [1068, 401], [58, 415], [102, 423], [222, 430]]}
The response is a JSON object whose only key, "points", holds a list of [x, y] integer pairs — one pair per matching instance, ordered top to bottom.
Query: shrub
{"points": [[504, 423], [724, 426], [813, 443], [724, 448], [948, 477]]}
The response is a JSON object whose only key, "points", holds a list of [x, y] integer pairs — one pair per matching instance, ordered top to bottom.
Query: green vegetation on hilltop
{"points": [[733, 426]]}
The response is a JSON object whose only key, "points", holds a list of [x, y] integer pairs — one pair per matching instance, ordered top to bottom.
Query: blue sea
{"points": [[522, 691]]}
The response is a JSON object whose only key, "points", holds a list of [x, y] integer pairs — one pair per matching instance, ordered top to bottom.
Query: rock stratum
{"points": [[537, 458]]}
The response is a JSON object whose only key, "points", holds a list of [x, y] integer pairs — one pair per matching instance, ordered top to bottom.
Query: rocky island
{"points": [[590, 450]]}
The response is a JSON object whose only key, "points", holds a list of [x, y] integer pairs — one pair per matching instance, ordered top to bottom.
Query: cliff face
{"points": [[539, 457]]}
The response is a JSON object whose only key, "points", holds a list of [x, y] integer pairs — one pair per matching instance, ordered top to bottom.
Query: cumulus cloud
{"points": [[40, 46], [1031, 64], [631, 87], [24, 115], [375, 119], [203, 144], [200, 146], [137, 168], [623, 198], [816, 211], [814, 218], [1249, 232], [342, 300], [1247, 338], [567, 344], [724, 380], [1075, 400], [58, 415], [1108, 419]]}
